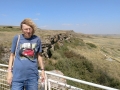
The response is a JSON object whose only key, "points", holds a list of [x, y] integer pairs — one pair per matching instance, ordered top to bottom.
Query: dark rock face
{"points": [[58, 38]]}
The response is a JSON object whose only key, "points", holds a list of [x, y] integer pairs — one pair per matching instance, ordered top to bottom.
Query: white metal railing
{"points": [[49, 82], [3, 83], [62, 84]]}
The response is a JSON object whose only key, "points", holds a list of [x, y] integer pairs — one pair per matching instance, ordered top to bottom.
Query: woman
{"points": [[25, 59]]}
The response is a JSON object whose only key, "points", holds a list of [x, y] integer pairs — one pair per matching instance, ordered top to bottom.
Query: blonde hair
{"points": [[30, 23]]}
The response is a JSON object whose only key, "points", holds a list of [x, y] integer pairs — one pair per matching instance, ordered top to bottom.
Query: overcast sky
{"points": [[84, 16]]}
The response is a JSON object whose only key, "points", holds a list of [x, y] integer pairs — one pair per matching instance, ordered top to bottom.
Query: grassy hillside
{"points": [[94, 58]]}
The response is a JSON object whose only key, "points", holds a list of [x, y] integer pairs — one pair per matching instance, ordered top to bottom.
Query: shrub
{"points": [[9, 27], [92, 45], [56, 46], [118, 49], [1, 50], [104, 51], [69, 54], [56, 55], [88, 66]]}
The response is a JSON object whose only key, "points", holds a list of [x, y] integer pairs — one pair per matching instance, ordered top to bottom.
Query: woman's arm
{"points": [[11, 59], [40, 61], [9, 76]]}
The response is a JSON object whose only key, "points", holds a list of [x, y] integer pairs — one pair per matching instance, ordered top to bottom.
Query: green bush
{"points": [[8, 27], [76, 42], [91, 45], [56, 46], [118, 49], [1, 50], [105, 51], [56, 55], [88, 66]]}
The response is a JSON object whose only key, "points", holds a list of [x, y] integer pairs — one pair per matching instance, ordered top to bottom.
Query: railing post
{"points": [[46, 81], [49, 86]]}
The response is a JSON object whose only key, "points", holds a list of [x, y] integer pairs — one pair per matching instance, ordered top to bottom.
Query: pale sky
{"points": [[83, 16]]}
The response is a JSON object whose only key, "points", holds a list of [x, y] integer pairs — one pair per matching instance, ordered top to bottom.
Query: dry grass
{"points": [[106, 56]]}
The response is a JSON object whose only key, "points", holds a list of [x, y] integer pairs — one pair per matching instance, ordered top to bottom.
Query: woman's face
{"points": [[27, 31]]}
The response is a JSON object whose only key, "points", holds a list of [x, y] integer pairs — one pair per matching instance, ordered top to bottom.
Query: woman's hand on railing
{"points": [[42, 75], [9, 77]]}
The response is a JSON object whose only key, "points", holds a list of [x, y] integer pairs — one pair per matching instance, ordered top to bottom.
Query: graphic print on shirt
{"points": [[27, 50]]}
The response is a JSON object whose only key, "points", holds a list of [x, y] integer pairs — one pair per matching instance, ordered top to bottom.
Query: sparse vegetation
{"points": [[8, 27], [92, 45], [1, 50], [1, 54], [80, 57], [78, 66]]}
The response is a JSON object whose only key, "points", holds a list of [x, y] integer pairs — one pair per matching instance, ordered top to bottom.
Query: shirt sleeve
{"points": [[14, 42], [39, 45]]}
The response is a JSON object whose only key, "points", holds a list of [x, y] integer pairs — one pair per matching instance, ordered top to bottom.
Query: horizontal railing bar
{"points": [[3, 65], [3, 70], [3, 80], [5, 84], [63, 84], [4, 88]]}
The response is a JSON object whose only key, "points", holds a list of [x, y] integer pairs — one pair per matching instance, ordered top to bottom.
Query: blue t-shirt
{"points": [[25, 65]]}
